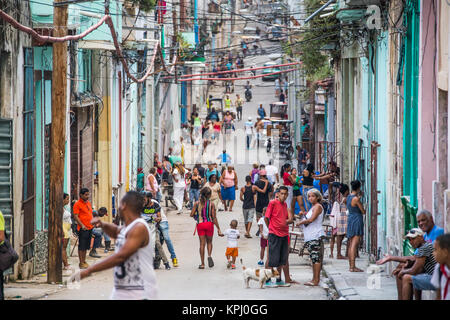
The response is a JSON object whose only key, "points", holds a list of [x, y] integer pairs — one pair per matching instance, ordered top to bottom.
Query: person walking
{"points": [[277, 87], [282, 97], [228, 103], [239, 104], [261, 112], [227, 123], [197, 125], [249, 131], [301, 158], [225, 159], [254, 172], [272, 173], [140, 180], [287, 182], [151, 183], [195, 183], [229, 183], [308, 184], [179, 185], [215, 191], [264, 191], [296, 192], [248, 197], [204, 212], [151, 213], [83, 214], [278, 218], [355, 223], [341, 224], [67, 227], [313, 234], [232, 250], [134, 277]]}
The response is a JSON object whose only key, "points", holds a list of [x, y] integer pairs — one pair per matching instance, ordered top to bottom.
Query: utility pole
{"points": [[57, 145]]}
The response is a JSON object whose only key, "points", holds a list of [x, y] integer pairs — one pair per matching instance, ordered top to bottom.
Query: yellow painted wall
{"points": [[104, 158]]}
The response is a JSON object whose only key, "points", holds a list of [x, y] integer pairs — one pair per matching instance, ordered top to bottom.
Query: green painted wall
{"points": [[43, 57], [410, 120]]}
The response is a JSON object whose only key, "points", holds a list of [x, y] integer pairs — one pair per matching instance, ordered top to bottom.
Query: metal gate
{"points": [[28, 199], [6, 204]]}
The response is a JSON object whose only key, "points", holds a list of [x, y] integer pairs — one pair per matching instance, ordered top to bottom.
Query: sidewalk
{"points": [[357, 285], [38, 288]]}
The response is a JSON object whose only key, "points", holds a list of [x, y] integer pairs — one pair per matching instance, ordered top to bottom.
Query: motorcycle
{"points": [[248, 95]]}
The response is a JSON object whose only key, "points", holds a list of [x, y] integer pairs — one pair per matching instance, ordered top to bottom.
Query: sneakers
{"points": [[93, 254], [175, 262], [260, 263], [83, 265], [167, 266], [233, 266], [270, 284], [282, 284]]}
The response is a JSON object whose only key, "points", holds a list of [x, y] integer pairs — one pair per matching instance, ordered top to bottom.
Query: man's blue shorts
{"points": [[422, 281]]}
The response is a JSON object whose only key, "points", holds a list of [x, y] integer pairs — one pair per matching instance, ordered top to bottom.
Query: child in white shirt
{"points": [[264, 232], [232, 246]]}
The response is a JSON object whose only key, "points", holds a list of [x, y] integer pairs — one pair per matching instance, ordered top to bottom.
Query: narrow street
{"points": [[102, 97], [187, 281]]}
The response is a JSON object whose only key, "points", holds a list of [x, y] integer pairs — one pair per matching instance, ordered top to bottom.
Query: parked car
{"points": [[270, 77]]}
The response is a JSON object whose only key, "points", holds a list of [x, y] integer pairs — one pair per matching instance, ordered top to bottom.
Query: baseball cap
{"points": [[249, 118], [262, 172], [415, 232]]}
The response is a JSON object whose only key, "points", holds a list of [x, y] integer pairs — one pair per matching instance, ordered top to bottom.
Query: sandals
{"points": [[248, 236], [210, 262], [201, 267], [355, 269], [310, 284]]}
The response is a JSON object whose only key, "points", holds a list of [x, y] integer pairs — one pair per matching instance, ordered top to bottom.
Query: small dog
{"points": [[260, 275]]}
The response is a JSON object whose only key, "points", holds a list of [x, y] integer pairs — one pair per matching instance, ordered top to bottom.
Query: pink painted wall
{"points": [[427, 104]]}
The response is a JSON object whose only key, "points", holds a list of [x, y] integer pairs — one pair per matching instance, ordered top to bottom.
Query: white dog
{"points": [[260, 275]]}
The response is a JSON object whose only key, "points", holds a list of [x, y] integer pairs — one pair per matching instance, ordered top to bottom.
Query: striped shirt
{"points": [[204, 214], [426, 250]]}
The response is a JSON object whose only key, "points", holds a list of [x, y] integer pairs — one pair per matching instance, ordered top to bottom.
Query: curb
{"points": [[342, 288]]}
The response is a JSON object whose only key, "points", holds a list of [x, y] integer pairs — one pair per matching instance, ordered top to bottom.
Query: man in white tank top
{"points": [[134, 277]]}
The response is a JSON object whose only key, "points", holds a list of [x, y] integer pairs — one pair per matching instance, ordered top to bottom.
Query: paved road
{"points": [[187, 281]]}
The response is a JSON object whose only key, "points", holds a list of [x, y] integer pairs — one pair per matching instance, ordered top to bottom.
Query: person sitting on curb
{"points": [[426, 224], [441, 275], [418, 276]]}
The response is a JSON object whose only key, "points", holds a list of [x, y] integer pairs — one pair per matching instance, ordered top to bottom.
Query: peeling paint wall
{"points": [[12, 44]]}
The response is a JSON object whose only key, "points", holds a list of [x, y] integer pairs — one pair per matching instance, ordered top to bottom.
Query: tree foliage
{"points": [[145, 5], [320, 31]]}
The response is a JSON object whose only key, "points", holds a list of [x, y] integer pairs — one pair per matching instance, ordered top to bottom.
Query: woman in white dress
{"points": [[179, 185]]}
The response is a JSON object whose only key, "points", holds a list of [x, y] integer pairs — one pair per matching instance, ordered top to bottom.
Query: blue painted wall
{"points": [[43, 57], [381, 134]]}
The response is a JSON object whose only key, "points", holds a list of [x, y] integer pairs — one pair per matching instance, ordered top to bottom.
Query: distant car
{"points": [[270, 77]]}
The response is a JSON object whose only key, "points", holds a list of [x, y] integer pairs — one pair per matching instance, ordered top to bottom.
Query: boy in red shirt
{"points": [[278, 218]]}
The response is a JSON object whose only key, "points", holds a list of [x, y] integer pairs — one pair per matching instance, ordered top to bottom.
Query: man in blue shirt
{"points": [[224, 158], [211, 170], [426, 223]]}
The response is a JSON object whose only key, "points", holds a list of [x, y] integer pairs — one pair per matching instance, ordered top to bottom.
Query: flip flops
{"points": [[210, 262], [201, 267]]}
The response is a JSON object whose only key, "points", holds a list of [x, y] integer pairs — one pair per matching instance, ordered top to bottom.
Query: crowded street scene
{"points": [[224, 150]]}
